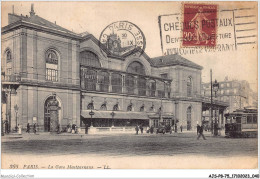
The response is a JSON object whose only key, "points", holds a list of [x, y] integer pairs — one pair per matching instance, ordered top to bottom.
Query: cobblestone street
{"points": [[128, 145], [177, 150]]}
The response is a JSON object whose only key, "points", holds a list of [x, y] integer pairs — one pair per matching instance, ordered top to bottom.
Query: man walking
{"points": [[28, 128], [34, 128], [181, 128], [136, 129], [198, 129], [201, 132]]}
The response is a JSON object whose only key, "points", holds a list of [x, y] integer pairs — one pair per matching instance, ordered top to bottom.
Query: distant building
{"points": [[237, 93]]}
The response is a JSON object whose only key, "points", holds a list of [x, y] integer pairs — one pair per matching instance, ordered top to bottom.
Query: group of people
{"points": [[137, 127], [29, 128]]}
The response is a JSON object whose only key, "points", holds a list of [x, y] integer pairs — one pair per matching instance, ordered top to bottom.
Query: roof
{"points": [[40, 21], [172, 60]]}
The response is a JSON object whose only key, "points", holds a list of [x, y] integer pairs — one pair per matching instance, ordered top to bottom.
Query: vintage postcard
{"points": [[129, 85]]}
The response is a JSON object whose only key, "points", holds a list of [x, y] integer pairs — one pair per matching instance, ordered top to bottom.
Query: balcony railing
{"points": [[11, 78]]}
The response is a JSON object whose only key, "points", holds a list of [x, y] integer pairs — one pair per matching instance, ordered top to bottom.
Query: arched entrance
{"points": [[47, 118], [189, 118]]}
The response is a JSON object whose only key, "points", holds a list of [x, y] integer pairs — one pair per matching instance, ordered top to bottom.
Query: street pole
{"points": [[211, 102]]}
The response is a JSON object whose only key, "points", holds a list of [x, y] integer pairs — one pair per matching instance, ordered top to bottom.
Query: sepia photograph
{"points": [[129, 85]]}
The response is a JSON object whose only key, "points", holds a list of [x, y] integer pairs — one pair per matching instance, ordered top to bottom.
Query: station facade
{"points": [[40, 59]]}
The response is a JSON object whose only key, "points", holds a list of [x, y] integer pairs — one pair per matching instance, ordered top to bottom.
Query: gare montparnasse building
{"points": [[40, 58]]}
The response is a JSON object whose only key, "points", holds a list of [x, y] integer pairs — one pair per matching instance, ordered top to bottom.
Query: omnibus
{"points": [[241, 123]]}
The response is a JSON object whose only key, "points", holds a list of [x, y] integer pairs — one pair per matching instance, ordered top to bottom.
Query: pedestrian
{"points": [[6, 127], [175, 127], [28, 128], [34, 128], [86, 128], [141, 128], [181, 128], [19, 129], [58, 129], [136, 129], [147, 129], [198, 129], [151, 130], [201, 132]]}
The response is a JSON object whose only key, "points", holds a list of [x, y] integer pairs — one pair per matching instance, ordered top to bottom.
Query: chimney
{"points": [[13, 8], [32, 13]]}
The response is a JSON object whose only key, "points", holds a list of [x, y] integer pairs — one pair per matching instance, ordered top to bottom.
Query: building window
{"points": [[8, 56], [89, 58], [51, 59], [136, 68], [8, 71], [90, 77], [103, 81], [116, 83], [129, 83], [141, 83], [228, 84], [222, 85], [189, 86], [152, 88], [161, 89], [222, 91], [235, 91], [227, 92], [90, 106], [103, 107], [116, 107], [130, 107], [142, 108], [151, 108]]}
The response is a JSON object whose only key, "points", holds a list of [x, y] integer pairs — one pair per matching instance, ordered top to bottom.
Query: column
{"points": [[110, 82], [97, 83], [123, 83], [135, 85], [147, 87]]}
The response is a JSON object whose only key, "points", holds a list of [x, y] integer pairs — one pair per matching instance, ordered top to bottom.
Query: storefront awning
{"points": [[117, 115], [164, 116]]}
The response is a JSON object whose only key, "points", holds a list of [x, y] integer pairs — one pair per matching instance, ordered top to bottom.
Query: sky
{"points": [[93, 17]]}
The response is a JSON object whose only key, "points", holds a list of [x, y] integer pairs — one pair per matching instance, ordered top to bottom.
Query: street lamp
{"points": [[215, 88], [16, 108], [91, 113], [112, 114]]}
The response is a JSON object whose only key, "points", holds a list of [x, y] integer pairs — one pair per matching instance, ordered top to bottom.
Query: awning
{"points": [[117, 115], [164, 116]]}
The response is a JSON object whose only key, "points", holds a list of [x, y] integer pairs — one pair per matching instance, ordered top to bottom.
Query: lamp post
{"points": [[215, 88], [16, 108], [91, 113], [112, 114]]}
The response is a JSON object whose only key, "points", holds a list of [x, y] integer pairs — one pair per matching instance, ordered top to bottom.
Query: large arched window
{"points": [[51, 58], [89, 58], [136, 67], [189, 86], [189, 118]]}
